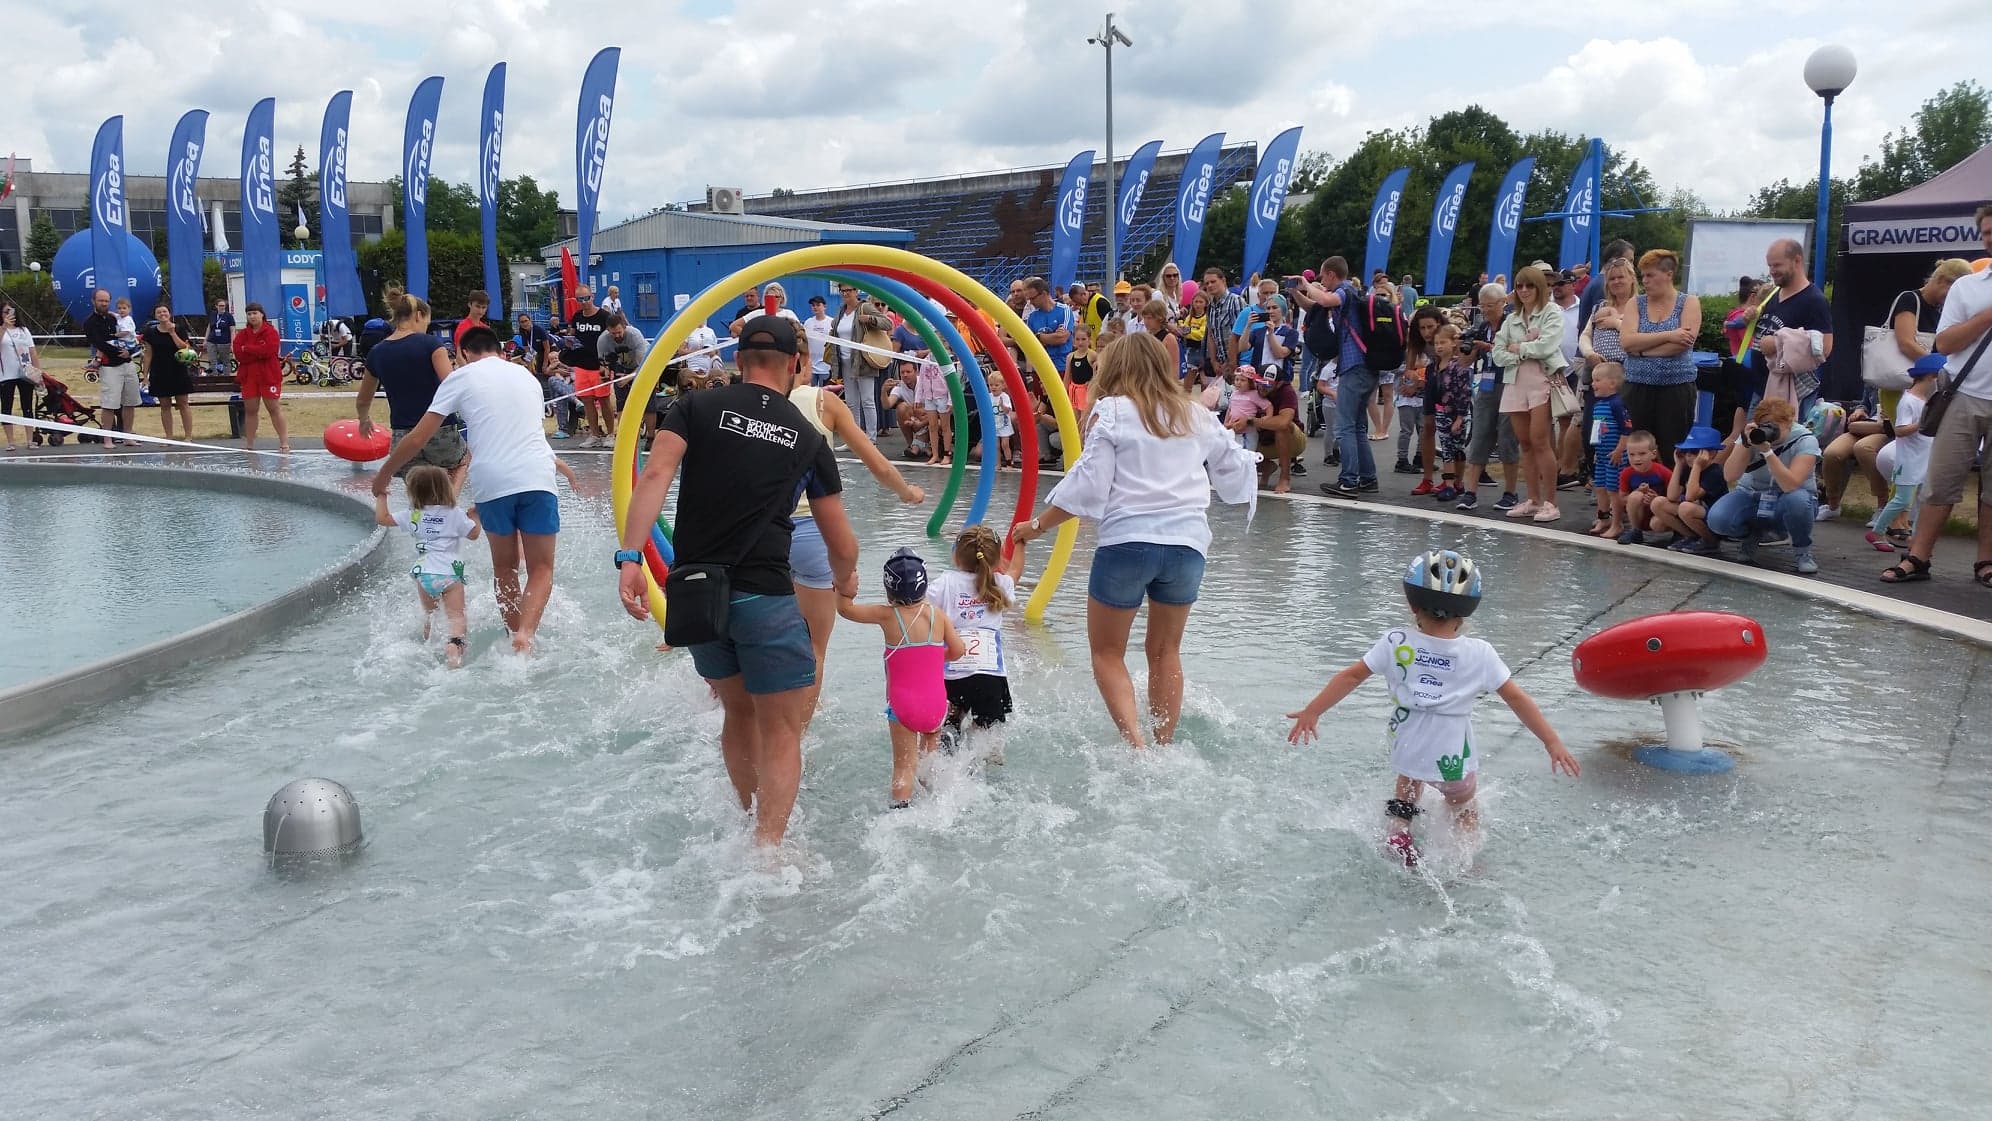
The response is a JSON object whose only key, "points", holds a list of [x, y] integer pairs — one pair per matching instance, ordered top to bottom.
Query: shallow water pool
{"points": [[98, 569], [558, 914]]}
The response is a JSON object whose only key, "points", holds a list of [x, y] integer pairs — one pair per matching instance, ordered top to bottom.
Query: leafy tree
{"points": [[1950, 126], [451, 207], [528, 218], [43, 241], [456, 268], [34, 300]]}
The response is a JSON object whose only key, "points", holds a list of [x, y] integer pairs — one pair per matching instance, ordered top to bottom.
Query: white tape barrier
{"points": [[685, 357], [108, 434]]}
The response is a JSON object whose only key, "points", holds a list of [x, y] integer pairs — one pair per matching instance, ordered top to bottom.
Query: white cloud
{"points": [[770, 94]]}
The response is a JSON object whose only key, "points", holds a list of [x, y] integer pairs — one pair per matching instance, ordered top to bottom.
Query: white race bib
{"points": [[985, 652]]}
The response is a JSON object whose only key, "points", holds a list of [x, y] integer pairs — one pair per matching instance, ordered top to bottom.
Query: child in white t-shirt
{"points": [[127, 326], [1006, 427], [1912, 452], [439, 530], [973, 596], [1434, 676]]}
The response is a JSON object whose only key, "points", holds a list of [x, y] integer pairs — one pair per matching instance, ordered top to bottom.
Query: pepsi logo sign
{"points": [[297, 303]]}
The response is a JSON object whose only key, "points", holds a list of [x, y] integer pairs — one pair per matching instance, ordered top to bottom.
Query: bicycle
{"points": [[309, 367]]}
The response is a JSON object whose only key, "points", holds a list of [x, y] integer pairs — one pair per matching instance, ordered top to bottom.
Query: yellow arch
{"points": [[718, 294]]}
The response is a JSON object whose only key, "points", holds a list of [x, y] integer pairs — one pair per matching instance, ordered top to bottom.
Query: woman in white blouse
{"points": [[1145, 473]]}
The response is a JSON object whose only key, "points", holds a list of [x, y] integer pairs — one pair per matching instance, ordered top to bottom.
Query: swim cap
{"points": [[905, 577]]}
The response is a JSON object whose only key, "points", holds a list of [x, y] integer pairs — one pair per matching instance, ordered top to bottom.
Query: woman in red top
{"points": [[259, 374]]}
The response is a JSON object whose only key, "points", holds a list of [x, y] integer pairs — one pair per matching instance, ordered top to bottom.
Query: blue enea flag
{"points": [[491, 124], [417, 142], [591, 144], [1133, 182], [1268, 198], [1193, 199], [1580, 207], [107, 211], [183, 212], [1445, 221], [1383, 222], [1068, 226], [1506, 228], [262, 243], [342, 267]]}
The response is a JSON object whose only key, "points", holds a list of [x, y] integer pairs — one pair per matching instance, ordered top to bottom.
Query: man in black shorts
{"points": [[747, 455]]}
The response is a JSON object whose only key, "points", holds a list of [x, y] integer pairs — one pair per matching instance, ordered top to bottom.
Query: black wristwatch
{"points": [[626, 556]]}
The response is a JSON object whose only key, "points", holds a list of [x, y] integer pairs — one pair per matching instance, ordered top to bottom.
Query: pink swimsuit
{"points": [[915, 693]]}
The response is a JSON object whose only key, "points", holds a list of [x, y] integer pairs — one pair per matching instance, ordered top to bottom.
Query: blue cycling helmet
{"points": [[905, 578], [1442, 584]]}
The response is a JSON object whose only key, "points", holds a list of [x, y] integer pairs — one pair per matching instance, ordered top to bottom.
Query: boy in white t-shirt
{"points": [[1912, 452], [1435, 676]]}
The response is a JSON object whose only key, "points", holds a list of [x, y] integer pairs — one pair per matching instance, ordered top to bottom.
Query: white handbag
{"points": [[1883, 364]]}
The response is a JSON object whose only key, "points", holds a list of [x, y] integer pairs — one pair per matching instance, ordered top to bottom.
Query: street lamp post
{"points": [[1108, 36], [1829, 71]]}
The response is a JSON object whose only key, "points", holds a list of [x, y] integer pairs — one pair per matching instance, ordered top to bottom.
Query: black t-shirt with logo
{"points": [[101, 328], [588, 328], [749, 455]]}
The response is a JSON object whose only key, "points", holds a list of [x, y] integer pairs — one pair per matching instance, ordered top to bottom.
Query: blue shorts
{"points": [[529, 511], [809, 557], [1124, 573], [766, 645]]}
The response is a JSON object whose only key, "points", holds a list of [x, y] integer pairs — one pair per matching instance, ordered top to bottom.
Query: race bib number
{"points": [[985, 651]]}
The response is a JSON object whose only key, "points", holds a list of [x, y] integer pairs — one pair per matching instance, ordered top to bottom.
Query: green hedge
{"points": [[40, 310]]}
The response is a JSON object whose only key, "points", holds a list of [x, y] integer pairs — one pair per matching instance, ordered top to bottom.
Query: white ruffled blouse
{"points": [[1141, 487]]}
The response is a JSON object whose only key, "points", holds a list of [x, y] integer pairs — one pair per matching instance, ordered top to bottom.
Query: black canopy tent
{"points": [[1889, 244]]}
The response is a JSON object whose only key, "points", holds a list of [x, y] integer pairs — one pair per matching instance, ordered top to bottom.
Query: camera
{"points": [[1763, 433]]}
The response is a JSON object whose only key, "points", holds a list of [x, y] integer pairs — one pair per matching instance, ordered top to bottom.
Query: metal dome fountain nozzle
{"points": [[312, 818]]}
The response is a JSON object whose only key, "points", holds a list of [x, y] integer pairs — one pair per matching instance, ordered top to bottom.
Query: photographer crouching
{"points": [[1773, 485]]}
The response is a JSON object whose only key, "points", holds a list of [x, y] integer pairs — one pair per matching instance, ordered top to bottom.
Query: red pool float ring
{"points": [[343, 439]]}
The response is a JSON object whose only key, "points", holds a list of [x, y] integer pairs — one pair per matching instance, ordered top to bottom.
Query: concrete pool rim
{"points": [[36, 704]]}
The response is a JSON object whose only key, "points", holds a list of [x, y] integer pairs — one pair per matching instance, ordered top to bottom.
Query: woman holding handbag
{"points": [[1888, 348], [1529, 350]]}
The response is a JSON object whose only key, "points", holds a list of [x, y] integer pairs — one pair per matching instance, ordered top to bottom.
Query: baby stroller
{"points": [[58, 404]]}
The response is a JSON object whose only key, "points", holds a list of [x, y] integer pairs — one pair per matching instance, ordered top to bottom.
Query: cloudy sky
{"points": [[757, 94]]}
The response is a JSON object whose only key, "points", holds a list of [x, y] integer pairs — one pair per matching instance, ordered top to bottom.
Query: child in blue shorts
{"points": [[1609, 424], [439, 530]]}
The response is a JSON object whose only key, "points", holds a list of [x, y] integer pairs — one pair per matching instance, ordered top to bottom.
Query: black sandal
{"points": [[1911, 569], [1981, 574]]}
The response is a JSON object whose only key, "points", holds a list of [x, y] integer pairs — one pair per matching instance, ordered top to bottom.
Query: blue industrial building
{"points": [[661, 261]]}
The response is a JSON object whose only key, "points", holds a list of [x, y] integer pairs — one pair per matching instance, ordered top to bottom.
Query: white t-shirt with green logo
{"points": [[1434, 683]]}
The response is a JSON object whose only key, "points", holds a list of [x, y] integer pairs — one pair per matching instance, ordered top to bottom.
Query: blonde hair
{"points": [[1665, 259], [1618, 265], [1950, 268], [402, 306], [1137, 367], [1608, 371], [1774, 410], [1640, 437], [429, 485], [977, 550]]}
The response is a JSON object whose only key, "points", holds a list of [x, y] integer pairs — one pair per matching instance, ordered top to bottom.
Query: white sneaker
{"points": [[1524, 510], [1825, 513]]}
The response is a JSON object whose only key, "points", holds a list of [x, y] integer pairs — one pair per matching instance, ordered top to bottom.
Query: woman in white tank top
{"points": [[809, 559]]}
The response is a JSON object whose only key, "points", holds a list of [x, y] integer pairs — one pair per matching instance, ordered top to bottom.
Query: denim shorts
{"points": [[530, 511], [809, 557], [1124, 573], [766, 646]]}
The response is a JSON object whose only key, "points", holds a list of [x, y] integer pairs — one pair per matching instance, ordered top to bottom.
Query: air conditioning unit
{"points": [[725, 200]]}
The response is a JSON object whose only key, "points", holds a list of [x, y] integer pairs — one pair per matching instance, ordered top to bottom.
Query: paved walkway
{"points": [[1846, 561]]}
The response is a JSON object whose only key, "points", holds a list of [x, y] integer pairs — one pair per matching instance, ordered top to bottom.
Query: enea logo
{"points": [[492, 144], [595, 145], [332, 177], [417, 177], [256, 183], [182, 184], [1196, 194], [109, 195], [1269, 197], [1131, 200], [1580, 205], [1072, 208], [1449, 212], [1509, 217], [1384, 222]]}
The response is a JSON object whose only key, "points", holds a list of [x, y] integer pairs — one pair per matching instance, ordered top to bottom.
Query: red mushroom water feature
{"points": [[1672, 659]]}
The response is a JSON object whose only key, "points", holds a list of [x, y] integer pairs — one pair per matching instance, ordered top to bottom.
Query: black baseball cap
{"points": [[818, 300], [770, 332]]}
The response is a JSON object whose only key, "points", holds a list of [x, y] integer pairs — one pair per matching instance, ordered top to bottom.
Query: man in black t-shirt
{"points": [[1796, 303], [117, 378], [598, 402], [747, 454]]}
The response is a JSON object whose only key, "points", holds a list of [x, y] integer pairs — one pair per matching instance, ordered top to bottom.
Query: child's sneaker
{"points": [[1423, 488], [1447, 493], [1468, 501], [1508, 501], [1403, 848]]}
